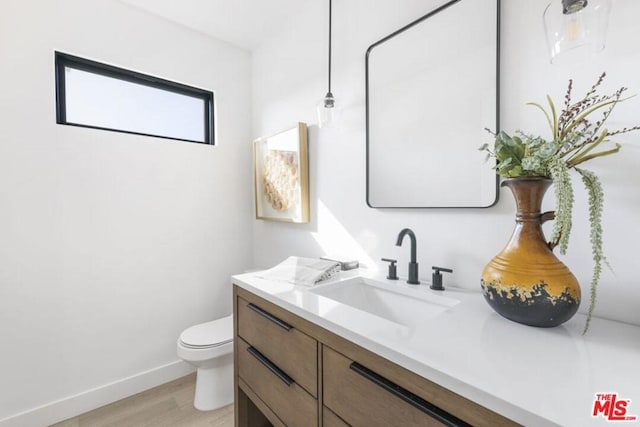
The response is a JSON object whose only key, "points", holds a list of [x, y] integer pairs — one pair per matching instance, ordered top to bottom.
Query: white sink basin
{"points": [[397, 303]]}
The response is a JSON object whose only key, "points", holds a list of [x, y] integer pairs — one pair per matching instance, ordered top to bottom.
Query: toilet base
{"points": [[214, 384]]}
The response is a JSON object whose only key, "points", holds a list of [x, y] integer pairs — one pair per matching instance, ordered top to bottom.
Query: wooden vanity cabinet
{"points": [[291, 372]]}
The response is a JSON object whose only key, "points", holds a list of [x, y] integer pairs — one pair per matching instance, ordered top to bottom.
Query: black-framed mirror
{"points": [[432, 87]]}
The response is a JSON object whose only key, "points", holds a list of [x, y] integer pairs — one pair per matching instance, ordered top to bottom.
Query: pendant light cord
{"points": [[330, 1]]}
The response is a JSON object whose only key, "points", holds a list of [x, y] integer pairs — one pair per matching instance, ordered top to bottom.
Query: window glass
{"points": [[96, 95]]}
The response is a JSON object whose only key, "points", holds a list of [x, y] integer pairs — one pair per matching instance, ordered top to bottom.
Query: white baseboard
{"points": [[80, 403]]}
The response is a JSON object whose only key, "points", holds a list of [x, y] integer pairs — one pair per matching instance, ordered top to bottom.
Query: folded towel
{"points": [[345, 263], [302, 271]]}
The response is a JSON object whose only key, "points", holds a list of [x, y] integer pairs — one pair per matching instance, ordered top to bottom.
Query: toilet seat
{"points": [[208, 335], [208, 347]]}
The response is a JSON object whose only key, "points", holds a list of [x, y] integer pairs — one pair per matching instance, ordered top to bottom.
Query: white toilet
{"points": [[209, 347]]}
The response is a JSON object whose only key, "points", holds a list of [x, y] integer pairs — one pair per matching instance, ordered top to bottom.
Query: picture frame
{"points": [[281, 175]]}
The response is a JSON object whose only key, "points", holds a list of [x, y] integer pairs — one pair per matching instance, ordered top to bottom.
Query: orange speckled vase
{"points": [[526, 282]]}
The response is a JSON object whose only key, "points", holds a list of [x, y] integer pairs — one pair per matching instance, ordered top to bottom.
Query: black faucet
{"points": [[413, 265]]}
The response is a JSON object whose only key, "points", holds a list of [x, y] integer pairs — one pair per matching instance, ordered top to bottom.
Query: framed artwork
{"points": [[281, 173]]}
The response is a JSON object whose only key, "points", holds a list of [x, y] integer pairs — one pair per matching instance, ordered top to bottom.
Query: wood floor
{"points": [[169, 405]]}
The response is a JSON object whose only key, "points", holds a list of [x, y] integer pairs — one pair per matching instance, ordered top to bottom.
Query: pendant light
{"points": [[575, 27], [326, 107]]}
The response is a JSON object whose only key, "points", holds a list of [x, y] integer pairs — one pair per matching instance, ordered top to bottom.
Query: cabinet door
{"points": [[361, 397]]}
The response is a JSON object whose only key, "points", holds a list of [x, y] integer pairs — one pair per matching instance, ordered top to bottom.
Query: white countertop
{"points": [[534, 376]]}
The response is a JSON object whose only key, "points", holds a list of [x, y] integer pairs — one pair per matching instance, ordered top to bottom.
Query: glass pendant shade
{"points": [[575, 27], [326, 110]]}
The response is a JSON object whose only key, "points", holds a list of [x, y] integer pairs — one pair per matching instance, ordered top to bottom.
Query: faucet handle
{"points": [[393, 272], [436, 278]]}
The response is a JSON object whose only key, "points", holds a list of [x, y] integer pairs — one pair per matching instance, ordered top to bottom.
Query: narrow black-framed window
{"points": [[100, 96]]}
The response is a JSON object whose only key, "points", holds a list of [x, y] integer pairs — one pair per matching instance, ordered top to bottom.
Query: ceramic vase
{"points": [[526, 282]]}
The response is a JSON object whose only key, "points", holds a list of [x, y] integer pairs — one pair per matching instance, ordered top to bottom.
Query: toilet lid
{"points": [[209, 334]]}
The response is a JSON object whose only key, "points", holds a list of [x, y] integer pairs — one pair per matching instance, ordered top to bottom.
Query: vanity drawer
{"points": [[293, 351], [362, 397], [290, 402]]}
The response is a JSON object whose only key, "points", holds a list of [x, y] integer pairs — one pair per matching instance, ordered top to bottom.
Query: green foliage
{"points": [[575, 139], [522, 155], [563, 188], [596, 201]]}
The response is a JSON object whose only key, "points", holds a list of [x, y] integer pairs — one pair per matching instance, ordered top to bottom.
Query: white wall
{"points": [[463, 239], [111, 244]]}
